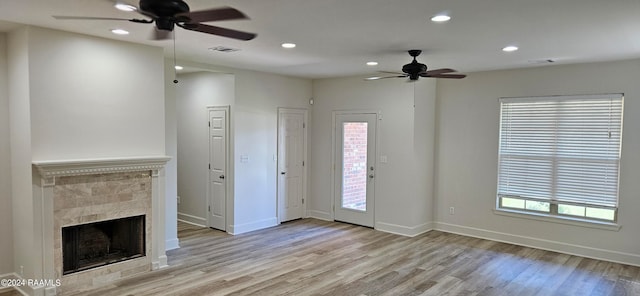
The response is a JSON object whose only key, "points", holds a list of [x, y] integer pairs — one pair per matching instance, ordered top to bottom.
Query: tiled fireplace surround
{"points": [[85, 191]]}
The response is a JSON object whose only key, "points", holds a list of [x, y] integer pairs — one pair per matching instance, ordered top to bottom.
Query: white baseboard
{"points": [[320, 215], [193, 220], [251, 226], [409, 231], [172, 244], [571, 249], [6, 277], [25, 290]]}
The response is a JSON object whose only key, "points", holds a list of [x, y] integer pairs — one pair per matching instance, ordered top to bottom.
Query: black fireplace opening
{"points": [[101, 243]]}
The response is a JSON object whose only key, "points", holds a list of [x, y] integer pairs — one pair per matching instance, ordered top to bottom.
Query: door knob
{"points": [[282, 173], [371, 176], [221, 177]]}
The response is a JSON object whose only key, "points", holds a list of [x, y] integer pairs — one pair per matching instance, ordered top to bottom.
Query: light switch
{"points": [[383, 159]]}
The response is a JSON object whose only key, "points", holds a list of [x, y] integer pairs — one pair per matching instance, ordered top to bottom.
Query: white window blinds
{"points": [[563, 149]]}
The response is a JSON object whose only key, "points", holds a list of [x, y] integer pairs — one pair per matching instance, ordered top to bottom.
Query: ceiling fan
{"points": [[170, 13], [415, 70]]}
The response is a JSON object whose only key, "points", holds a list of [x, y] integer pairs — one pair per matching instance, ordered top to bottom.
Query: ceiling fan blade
{"points": [[217, 14], [64, 17], [219, 31], [161, 34], [437, 71], [391, 72], [454, 76], [385, 77]]}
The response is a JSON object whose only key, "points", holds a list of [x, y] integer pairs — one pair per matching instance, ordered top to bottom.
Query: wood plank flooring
{"points": [[313, 257]]}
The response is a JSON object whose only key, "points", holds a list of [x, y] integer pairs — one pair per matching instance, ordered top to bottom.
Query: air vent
{"points": [[223, 49]]}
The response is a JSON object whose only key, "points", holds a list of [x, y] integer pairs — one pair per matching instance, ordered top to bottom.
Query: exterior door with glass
{"points": [[354, 172]]}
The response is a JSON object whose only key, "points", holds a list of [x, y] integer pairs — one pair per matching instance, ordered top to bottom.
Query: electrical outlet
{"points": [[452, 210]]}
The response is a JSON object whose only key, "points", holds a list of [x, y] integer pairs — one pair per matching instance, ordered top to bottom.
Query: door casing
{"points": [[336, 170]]}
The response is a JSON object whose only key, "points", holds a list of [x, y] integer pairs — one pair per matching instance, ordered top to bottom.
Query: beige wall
{"points": [[467, 151], [6, 246]]}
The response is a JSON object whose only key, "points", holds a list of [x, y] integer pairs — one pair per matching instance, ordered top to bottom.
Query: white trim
{"points": [[607, 96], [334, 156], [76, 167], [320, 215], [558, 219], [193, 220], [251, 226], [409, 231], [172, 244], [571, 249], [25, 290]]}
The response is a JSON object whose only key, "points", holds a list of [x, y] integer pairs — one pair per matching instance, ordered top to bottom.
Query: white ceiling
{"points": [[336, 37]]}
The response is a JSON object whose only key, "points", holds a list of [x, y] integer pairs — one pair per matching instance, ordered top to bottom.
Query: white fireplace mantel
{"points": [[61, 168], [43, 199]]}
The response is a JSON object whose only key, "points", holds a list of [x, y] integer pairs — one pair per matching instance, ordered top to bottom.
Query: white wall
{"points": [[194, 93], [258, 96], [74, 97], [94, 98], [254, 102], [20, 138], [171, 150], [467, 150], [403, 190], [6, 245]]}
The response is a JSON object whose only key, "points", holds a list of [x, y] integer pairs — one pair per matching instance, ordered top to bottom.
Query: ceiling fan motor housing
{"points": [[164, 11], [414, 69]]}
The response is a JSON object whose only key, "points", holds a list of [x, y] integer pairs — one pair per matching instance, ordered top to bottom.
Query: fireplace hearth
{"points": [[97, 244]]}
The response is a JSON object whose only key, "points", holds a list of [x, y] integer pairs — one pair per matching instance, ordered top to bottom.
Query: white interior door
{"points": [[291, 147], [217, 167], [355, 168]]}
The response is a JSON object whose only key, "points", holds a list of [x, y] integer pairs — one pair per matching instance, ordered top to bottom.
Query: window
{"points": [[560, 155]]}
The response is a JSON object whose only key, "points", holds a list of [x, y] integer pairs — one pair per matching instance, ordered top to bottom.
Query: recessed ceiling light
{"points": [[125, 7], [440, 18], [119, 32], [288, 45], [510, 48], [372, 63], [178, 67]]}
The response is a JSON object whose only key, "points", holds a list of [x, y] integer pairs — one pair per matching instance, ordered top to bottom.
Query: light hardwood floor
{"points": [[313, 257]]}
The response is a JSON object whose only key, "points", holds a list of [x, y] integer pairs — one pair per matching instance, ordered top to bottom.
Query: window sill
{"points": [[559, 219]]}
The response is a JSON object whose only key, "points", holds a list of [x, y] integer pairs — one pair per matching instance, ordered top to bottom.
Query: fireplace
{"points": [[82, 200], [101, 243]]}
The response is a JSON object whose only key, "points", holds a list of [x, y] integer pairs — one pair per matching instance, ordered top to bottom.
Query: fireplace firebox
{"points": [[101, 243]]}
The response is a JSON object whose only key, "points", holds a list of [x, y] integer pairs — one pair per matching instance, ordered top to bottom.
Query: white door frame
{"points": [[334, 141], [304, 159], [228, 175]]}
